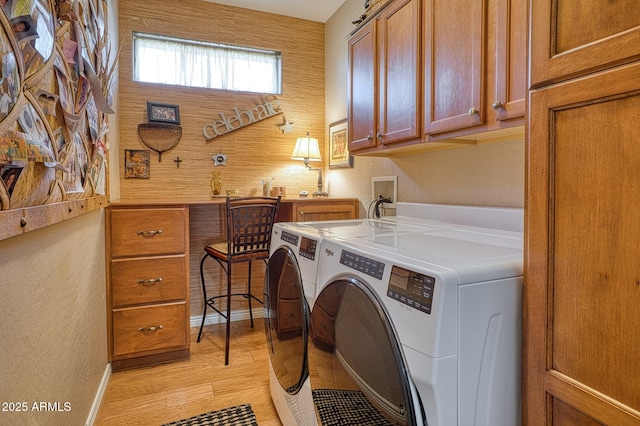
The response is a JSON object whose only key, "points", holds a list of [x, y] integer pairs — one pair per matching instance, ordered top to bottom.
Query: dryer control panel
{"points": [[308, 248], [411, 288]]}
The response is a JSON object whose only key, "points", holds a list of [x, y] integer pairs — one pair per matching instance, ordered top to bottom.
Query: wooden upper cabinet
{"points": [[575, 38], [454, 40], [510, 59], [399, 72], [384, 78], [362, 88]]}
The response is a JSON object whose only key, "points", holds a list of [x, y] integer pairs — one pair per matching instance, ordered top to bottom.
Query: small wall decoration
{"points": [[163, 113], [287, 127], [339, 145], [219, 159], [136, 163]]}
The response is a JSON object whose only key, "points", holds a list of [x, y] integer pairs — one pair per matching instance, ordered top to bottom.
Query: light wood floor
{"points": [[168, 392]]}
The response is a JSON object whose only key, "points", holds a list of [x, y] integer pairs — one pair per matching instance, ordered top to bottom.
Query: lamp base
{"points": [[318, 194]]}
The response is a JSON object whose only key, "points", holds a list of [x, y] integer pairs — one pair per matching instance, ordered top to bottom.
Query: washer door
{"points": [[286, 320], [360, 364]]}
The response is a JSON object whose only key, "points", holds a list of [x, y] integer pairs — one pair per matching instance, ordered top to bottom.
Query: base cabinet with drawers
{"points": [[314, 209], [147, 284]]}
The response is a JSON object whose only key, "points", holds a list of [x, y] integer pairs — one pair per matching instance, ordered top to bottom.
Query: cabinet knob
{"points": [[497, 105], [473, 111], [379, 135], [369, 137], [301, 213]]}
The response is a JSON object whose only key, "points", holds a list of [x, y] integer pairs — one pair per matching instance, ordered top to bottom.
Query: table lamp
{"points": [[307, 149]]}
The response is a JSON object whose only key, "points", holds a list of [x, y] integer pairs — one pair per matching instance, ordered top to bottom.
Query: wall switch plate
{"points": [[387, 186]]}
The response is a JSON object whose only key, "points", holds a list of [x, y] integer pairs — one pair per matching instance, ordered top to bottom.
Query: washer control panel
{"points": [[371, 267], [411, 288]]}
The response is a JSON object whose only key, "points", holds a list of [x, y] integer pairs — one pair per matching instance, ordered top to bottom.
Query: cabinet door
{"points": [[574, 38], [511, 59], [399, 72], [453, 74], [362, 88], [307, 212], [581, 317]]}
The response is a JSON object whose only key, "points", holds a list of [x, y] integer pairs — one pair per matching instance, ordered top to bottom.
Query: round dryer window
{"points": [[286, 320]]}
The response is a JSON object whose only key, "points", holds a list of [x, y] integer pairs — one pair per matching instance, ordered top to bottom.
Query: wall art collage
{"points": [[57, 69]]}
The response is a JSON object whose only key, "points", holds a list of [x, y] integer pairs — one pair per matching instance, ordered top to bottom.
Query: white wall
{"points": [[486, 174]]}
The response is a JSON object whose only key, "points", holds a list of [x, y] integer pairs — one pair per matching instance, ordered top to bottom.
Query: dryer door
{"points": [[286, 320], [361, 368]]}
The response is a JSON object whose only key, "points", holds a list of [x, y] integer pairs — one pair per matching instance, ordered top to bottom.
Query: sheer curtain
{"points": [[168, 60]]}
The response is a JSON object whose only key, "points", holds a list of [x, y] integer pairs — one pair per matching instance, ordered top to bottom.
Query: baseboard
{"points": [[215, 318], [98, 398]]}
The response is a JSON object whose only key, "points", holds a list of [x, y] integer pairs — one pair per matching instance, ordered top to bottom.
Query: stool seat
{"points": [[249, 224], [220, 251]]}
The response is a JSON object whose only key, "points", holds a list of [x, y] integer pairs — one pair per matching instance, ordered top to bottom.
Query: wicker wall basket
{"points": [[160, 137]]}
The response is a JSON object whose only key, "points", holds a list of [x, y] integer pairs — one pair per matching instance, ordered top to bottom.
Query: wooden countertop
{"points": [[215, 200]]}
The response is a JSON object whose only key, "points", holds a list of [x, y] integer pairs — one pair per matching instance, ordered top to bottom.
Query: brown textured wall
{"points": [[255, 151]]}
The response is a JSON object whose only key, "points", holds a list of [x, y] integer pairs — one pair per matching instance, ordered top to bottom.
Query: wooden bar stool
{"points": [[249, 224]]}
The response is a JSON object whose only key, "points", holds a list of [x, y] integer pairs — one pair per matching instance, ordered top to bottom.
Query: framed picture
{"points": [[162, 113], [339, 145], [136, 164]]}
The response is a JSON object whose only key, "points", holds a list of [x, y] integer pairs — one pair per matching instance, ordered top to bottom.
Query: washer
{"points": [[452, 298]]}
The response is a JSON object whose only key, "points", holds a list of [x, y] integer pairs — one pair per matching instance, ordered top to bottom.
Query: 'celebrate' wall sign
{"points": [[239, 119]]}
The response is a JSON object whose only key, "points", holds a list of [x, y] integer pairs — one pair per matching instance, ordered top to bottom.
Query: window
{"points": [[169, 60]]}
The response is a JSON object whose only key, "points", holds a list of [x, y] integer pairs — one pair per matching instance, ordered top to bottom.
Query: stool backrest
{"points": [[249, 224]]}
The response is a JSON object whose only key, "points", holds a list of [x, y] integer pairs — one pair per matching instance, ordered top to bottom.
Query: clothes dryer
{"points": [[452, 300]]}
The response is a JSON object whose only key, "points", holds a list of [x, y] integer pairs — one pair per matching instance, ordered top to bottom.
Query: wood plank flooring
{"points": [[164, 393]]}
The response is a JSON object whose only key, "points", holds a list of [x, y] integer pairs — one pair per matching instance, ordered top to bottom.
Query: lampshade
{"points": [[306, 148]]}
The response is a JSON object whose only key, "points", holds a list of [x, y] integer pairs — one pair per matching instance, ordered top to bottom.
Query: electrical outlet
{"points": [[387, 187]]}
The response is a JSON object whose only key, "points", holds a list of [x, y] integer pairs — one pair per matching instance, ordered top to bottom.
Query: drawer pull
{"points": [[158, 232], [150, 281], [149, 329]]}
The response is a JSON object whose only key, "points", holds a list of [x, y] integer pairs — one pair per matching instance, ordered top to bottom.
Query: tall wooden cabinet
{"points": [[570, 40], [384, 81], [582, 275]]}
